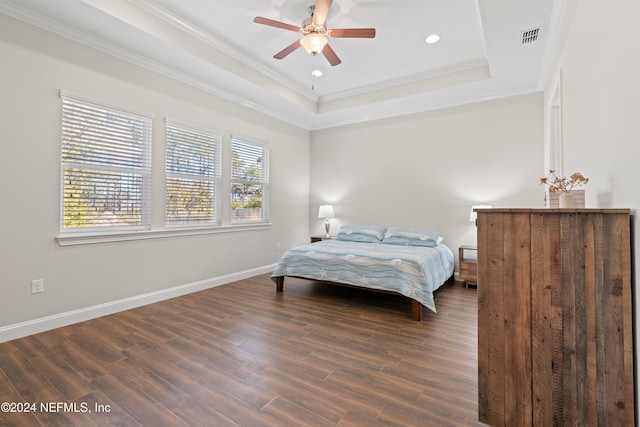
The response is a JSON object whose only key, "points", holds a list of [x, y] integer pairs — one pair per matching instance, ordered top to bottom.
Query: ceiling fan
{"points": [[315, 32]]}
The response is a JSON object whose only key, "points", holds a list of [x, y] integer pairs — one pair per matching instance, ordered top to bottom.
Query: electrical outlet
{"points": [[277, 246], [37, 286]]}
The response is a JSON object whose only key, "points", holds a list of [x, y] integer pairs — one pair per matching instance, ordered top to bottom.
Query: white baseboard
{"points": [[30, 327]]}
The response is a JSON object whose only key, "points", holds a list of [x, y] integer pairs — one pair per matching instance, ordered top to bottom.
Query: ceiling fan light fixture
{"points": [[314, 43], [316, 73]]}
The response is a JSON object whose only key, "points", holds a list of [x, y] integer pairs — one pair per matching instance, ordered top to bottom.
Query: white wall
{"points": [[598, 61], [35, 66], [426, 170]]}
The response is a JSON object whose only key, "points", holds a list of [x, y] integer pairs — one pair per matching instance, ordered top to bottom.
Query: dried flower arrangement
{"points": [[563, 184]]}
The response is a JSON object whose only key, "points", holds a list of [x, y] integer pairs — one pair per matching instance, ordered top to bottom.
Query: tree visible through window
{"points": [[106, 164], [193, 175], [249, 181]]}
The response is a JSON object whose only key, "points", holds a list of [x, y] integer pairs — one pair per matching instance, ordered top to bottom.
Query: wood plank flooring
{"points": [[243, 355]]}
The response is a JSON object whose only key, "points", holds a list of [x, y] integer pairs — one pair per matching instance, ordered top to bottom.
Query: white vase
{"points": [[566, 201]]}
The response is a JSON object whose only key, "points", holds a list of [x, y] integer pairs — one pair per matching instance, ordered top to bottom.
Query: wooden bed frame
{"points": [[416, 307]]}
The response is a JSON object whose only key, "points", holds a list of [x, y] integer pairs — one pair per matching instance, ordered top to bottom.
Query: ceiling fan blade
{"points": [[321, 11], [277, 24], [364, 33], [287, 50], [331, 55]]}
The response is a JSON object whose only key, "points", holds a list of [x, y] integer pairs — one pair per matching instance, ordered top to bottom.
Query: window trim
{"points": [[73, 239]]}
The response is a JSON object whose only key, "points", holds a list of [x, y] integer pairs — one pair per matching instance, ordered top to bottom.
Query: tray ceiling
{"points": [[487, 49]]}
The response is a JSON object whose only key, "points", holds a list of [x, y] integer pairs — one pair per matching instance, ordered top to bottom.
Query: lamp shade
{"points": [[314, 43], [326, 211], [473, 216]]}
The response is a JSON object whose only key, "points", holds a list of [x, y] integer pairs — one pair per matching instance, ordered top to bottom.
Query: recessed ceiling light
{"points": [[433, 38], [316, 73]]}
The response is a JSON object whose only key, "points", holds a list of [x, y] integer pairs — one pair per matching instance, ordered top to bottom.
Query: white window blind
{"points": [[106, 164], [193, 175], [249, 181]]}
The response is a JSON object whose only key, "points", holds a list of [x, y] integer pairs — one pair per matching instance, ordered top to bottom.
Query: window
{"points": [[106, 167], [107, 172], [193, 176], [249, 181]]}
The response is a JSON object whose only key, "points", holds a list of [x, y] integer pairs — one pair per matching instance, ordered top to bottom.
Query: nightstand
{"points": [[319, 238], [468, 265]]}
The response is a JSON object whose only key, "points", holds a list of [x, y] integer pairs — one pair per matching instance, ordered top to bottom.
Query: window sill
{"points": [[72, 239]]}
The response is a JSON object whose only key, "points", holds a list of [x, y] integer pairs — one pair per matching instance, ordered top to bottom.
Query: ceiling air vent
{"points": [[531, 35]]}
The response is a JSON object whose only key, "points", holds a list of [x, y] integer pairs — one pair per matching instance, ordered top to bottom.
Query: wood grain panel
{"points": [[490, 286], [616, 324], [546, 325], [517, 342], [580, 368]]}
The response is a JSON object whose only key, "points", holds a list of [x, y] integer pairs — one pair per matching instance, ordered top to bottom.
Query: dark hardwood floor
{"points": [[243, 355]]}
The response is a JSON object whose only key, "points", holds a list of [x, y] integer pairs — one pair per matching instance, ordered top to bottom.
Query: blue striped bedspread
{"points": [[413, 271]]}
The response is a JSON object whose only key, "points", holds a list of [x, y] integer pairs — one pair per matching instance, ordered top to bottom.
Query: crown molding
{"points": [[216, 42], [110, 49], [409, 79], [416, 107], [308, 120]]}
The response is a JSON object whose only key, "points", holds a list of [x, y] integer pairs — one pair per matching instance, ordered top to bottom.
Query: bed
{"points": [[409, 262]]}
